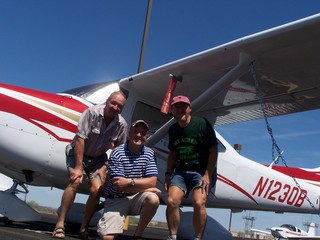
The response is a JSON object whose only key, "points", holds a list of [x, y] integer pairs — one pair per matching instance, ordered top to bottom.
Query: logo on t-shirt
{"points": [[186, 148]]}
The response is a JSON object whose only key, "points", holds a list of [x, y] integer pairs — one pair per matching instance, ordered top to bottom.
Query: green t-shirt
{"points": [[192, 143]]}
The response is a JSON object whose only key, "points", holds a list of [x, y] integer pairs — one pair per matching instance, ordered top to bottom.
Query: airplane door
{"points": [[153, 116]]}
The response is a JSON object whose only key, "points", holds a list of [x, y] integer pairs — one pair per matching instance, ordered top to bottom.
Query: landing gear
{"points": [[14, 188], [13, 208], [6, 221]]}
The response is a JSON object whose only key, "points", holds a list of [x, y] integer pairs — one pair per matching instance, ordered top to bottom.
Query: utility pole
{"points": [[145, 34], [249, 222]]}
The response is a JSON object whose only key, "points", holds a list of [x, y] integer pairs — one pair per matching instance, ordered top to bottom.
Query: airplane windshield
{"points": [[95, 93], [289, 226]]}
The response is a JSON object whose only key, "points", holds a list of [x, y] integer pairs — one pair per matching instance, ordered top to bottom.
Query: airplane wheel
{"points": [[6, 221]]}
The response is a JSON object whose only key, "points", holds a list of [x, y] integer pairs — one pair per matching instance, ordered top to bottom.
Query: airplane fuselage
{"points": [[35, 128]]}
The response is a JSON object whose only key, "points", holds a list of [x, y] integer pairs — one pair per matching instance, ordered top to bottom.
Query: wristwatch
{"points": [[132, 183]]}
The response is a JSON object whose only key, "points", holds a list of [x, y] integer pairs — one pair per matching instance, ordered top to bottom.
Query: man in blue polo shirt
{"points": [[131, 187]]}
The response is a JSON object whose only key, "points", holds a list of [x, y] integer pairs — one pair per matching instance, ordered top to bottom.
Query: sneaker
{"points": [[171, 238]]}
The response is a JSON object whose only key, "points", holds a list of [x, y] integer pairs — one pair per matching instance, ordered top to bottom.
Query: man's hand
{"points": [[102, 172], [75, 174], [167, 182], [120, 183], [206, 184], [154, 190]]}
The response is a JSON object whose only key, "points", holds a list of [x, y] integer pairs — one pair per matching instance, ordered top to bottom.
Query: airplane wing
{"points": [[220, 84], [260, 231], [304, 237]]}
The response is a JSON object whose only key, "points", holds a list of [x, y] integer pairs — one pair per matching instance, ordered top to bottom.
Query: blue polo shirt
{"points": [[123, 163]]}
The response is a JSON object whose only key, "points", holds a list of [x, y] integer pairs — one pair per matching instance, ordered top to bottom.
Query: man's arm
{"points": [[78, 152], [172, 157], [212, 160], [77, 172], [102, 172], [206, 182], [139, 184]]}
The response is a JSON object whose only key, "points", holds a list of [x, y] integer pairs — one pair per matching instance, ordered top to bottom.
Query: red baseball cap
{"points": [[180, 98]]}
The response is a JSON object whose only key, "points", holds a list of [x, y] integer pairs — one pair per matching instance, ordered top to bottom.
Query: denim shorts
{"points": [[189, 180]]}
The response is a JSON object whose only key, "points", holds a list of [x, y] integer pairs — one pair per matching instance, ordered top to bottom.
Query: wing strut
{"points": [[224, 82], [206, 96]]}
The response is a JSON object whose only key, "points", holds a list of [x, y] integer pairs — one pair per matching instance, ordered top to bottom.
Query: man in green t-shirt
{"points": [[191, 165]]}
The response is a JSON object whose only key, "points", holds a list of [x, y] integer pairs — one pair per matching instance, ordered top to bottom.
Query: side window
{"points": [[153, 116], [221, 147]]}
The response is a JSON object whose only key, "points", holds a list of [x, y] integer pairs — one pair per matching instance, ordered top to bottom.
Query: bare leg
{"points": [[175, 196], [67, 200], [92, 203], [148, 210], [199, 213], [107, 237]]}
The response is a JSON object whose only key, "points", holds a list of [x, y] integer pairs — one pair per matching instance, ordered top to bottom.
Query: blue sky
{"points": [[57, 45]]}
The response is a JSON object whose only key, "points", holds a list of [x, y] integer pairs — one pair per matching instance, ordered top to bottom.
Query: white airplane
{"points": [[278, 68], [288, 231]]}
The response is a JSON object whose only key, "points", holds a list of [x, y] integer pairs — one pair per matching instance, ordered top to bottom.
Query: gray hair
{"points": [[116, 93]]}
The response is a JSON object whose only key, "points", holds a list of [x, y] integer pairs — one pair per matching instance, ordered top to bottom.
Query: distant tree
{"points": [[33, 204]]}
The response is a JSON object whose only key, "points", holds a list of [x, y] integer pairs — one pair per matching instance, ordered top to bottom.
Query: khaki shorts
{"points": [[89, 166], [116, 210]]}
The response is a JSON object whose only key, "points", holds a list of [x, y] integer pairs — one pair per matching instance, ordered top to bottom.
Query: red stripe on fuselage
{"points": [[64, 101], [32, 114], [299, 173], [236, 186]]}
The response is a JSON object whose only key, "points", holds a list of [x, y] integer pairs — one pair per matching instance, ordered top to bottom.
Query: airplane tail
{"points": [[311, 176], [312, 229]]}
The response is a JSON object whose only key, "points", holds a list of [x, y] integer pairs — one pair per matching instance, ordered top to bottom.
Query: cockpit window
{"points": [[96, 93], [153, 116], [221, 147], [289, 226]]}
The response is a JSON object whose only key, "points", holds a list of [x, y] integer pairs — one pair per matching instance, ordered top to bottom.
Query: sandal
{"points": [[58, 232], [86, 236], [137, 238]]}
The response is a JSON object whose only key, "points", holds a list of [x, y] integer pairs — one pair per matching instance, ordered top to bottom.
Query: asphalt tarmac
{"points": [[43, 230]]}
